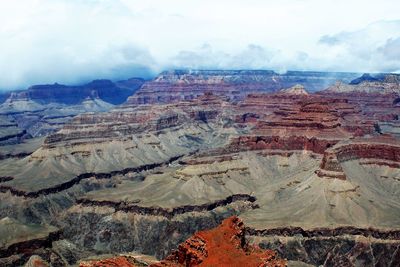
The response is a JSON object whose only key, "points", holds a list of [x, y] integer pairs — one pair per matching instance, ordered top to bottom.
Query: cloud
{"points": [[329, 40], [72, 41], [68, 42], [374, 48], [391, 49], [252, 56], [206, 57]]}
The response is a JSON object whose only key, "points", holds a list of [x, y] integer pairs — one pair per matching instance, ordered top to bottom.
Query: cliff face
{"points": [[173, 86], [383, 151]]}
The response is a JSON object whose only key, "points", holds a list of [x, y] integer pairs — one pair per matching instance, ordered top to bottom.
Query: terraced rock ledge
{"points": [[165, 212]]}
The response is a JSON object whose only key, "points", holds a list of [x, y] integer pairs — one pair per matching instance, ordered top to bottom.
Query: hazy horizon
{"points": [[72, 42], [149, 77]]}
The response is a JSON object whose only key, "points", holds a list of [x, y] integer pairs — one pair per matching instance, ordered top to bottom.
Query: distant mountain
{"points": [[366, 77], [381, 84], [172, 86], [107, 90], [111, 92], [43, 109]]}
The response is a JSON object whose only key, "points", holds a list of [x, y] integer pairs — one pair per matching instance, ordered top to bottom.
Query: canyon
{"points": [[43, 109], [288, 169]]}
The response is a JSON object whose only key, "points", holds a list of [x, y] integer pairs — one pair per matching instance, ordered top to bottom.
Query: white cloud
{"points": [[43, 41], [374, 48]]}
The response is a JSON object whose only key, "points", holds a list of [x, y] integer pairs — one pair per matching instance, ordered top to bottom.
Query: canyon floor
{"points": [[313, 177]]}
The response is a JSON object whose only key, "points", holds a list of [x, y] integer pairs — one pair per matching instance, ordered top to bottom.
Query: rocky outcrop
{"points": [[298, 89], [223, 246]]}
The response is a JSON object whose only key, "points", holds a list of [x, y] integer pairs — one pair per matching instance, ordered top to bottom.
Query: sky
{"points": [[73, 41]]}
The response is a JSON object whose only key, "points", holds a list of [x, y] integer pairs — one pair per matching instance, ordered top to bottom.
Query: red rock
{"points": [[244, 143], [222, 246]]}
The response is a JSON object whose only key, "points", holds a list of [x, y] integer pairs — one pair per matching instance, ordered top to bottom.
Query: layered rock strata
{"points": [[174, 86], [380, 151]]}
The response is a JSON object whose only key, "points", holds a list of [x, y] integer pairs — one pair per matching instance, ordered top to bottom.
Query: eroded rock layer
{"points": [[173, 86]]}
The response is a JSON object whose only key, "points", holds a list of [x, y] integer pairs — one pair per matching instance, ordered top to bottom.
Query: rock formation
{"points": [[173, 86], [298, 89], [225, 245]]}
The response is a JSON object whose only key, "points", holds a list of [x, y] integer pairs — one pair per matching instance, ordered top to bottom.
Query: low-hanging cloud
{"points": [[72, 41], [375, 48], [391, 49], [252, 56], [65, 65]]}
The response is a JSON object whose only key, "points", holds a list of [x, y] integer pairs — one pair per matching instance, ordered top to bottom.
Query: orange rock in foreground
{"points": [[225, 245], [222, 246], [112, 262]]}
